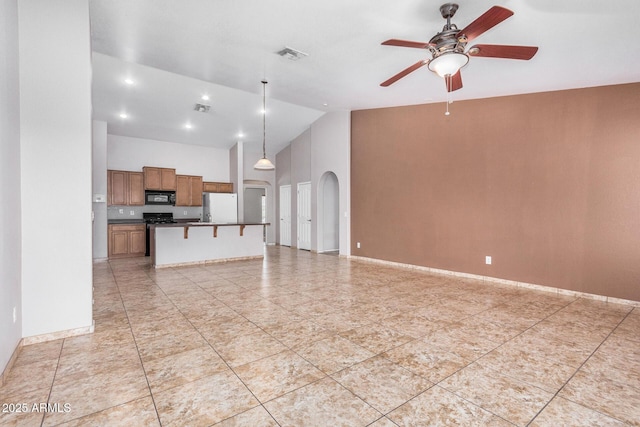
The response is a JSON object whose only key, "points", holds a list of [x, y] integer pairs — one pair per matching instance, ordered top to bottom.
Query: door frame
{"points": [[282, 219], [304, 224]]}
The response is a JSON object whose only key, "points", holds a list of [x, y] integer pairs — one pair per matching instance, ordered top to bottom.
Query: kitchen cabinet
{"points": [[159, 178], [217, 187], [125, 188], [136, 189], [188, 190], [196, 190], [126, 240]]}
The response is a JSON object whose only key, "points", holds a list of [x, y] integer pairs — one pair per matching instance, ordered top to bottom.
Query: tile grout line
{"points": [[135, 341], [213, 348], [493, 349], [578, 369], [326, 375], [53, 380]]}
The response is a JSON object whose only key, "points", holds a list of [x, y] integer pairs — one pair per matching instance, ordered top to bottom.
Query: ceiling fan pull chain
{"points": [[448, 94]]}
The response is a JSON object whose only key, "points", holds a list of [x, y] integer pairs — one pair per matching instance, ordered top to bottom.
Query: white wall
{"points": [[55, 145], [325, 147], [331, 152], [131, 154], [236, 167], [300, 172], [283, 177], [99, 188], [253, 204], [329, 207], [10, 221]]}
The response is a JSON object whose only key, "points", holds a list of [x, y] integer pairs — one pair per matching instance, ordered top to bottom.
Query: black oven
{"points": [[160, 198], [155, 218]]}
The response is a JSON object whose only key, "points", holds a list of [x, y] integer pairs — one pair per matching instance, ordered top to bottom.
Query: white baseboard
{"points": [[542, 288], [35, 339], [7, 369]]}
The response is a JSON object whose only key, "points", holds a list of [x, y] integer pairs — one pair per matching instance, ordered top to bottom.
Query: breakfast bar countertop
{"points": [[209, 224]]}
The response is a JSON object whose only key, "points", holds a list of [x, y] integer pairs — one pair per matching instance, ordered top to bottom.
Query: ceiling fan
{"points": [[447, 47]]}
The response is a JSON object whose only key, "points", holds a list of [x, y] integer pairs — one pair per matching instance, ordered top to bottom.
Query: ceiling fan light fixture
{"points": [[448, 64]]}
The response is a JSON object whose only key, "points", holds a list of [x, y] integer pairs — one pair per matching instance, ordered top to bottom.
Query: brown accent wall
{"points": [[547, 184]]}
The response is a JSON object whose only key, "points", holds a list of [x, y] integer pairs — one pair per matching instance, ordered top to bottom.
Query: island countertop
{"points": [[208, 224]]}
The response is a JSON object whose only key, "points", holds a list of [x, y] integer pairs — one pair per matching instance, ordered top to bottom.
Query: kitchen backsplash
{"points": [[135, 212]]}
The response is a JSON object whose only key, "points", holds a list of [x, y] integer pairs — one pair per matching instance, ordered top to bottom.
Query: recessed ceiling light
{"points": [[129, 81], [205, 97], [325, 104], [124, 115], [188, 126], [240, 135]]}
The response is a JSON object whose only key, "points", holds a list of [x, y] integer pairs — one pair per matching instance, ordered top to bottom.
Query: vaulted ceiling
{"points": [[176, 51]]}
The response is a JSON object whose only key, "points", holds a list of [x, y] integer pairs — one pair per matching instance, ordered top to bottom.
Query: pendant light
{"points": [[264, 163]]}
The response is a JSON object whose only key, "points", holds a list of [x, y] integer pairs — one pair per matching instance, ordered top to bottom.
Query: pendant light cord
{"points": [[264, 120]]}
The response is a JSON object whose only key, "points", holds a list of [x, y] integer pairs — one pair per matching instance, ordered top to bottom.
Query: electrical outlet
{"points": [[120, 211], [132, 212], [184, 212], [358, 245], [487, 260], [15, 315]]}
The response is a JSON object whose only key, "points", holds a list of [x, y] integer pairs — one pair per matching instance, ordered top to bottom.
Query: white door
{"points": [[285, 215], [304, 215]]}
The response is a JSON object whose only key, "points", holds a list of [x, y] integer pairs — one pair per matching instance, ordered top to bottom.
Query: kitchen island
{"points": [[173, 245]]}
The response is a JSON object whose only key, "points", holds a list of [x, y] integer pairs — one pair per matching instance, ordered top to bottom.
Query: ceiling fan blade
{"points": [[484, 22], [406, 43], [503, 51], [404, 72], [453, 82]]}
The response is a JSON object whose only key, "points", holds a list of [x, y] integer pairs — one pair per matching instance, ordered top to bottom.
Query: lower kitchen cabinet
{"points": [[127, 240]]}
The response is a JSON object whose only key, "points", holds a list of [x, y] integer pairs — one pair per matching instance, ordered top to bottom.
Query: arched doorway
{"points": [[257, 206], [329, 212]]}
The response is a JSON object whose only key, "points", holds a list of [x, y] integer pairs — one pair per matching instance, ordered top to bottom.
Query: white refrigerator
{"points": [[220, 207]]}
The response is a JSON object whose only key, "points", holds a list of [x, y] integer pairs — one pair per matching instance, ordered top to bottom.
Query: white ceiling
{"points": [[178, 50]]}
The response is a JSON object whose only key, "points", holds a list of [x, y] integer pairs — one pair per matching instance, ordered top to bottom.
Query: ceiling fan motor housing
{"points": [[448, 10], [446, 41]]}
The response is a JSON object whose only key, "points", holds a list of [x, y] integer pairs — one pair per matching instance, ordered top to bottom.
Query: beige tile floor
{"points": [[301, 339]]}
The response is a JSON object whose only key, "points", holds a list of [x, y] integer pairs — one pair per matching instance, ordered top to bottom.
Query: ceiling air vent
{"points": [[291, 54], [202, 108]]}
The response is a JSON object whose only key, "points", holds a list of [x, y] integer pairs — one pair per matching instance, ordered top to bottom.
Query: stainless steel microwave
{"points": [[160, 198]]}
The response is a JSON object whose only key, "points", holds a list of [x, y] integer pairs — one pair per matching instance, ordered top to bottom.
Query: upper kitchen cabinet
{"points": [[159, 178], [217, 187], [125, 188], [189, 190]]}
